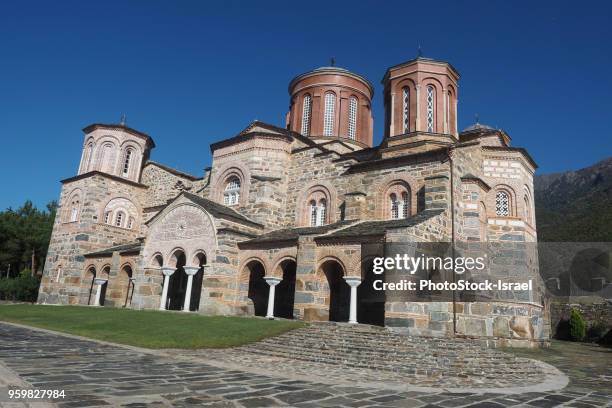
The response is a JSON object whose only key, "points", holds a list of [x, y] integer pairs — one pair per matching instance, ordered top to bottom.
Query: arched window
{"points": [[448, 101], [406, 109], [306, 110], [431, 110], [328, 116], [352, 125], [87, 155], [105, 158], [126, 162], [231, 194], [395, 200], [502, 204], [405, 205], [394, 206], [74, 208], [399, 208], [527, 209], [313, 213], [321, 216], [107, 217], [119, 218], [130, 224]]}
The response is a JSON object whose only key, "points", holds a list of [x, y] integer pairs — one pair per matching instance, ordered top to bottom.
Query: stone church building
{"points": [[280, 222]]}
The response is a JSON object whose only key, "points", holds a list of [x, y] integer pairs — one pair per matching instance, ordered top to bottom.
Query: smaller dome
{"points": [[477, 127]]}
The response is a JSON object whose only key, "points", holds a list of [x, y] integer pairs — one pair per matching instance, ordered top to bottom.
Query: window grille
{"points": [[431, 100], [306, 110], [328, 116], [352, 128], [502, 204]]}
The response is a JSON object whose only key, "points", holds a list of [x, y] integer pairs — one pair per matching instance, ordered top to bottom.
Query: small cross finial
{"points": [[419, 52], [332, 62], [477, 117], [123, 119]]}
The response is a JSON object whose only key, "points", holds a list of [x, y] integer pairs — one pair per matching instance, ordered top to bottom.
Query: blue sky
{"points": [[192, 72]]}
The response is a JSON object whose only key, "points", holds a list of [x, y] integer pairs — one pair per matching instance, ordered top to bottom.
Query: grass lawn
{"points": [[145, 328]]}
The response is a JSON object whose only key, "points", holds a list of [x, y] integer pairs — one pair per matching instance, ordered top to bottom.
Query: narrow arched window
{"points": [[406, 109], [431, 110], [306, 113], [328, 115], [352, 125], [87, 157], [126, 162], [231, 194], [75, 203], [502, 204], [405, 205], [394, 206], [527, 210], [322, 212], [313, 213], [107, 216], [119, 219], [130, 224]]}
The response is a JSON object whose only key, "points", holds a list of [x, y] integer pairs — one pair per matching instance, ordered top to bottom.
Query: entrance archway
{"points": [[91, 274], [104, 275], [128, 283], [177, 284], [258, 287], [196, 288], [285, 290], [339, 291], [370, 302]]}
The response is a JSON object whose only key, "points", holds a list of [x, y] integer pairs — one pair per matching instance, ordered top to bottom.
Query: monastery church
{"points": [[279, 225]]}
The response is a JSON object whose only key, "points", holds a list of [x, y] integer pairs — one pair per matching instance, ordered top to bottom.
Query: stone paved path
{"points": [[95, 374]]}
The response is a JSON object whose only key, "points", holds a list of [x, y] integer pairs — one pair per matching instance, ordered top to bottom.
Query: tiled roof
{"points": [[219, 210], [372, 228], [292, 234], [123, 248]]}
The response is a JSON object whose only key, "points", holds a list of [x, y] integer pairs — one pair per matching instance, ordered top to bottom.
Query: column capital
{"points": [[167, 270], [191, 270], [272, 280], [99, 281], [353, 281]]}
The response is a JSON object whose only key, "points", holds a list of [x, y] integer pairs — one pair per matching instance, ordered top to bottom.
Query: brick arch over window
{"points": [[438, 105], [405, 111], [106, 154], [128, 165], [237, 172], [396, 184], [320, 192], [495, 201], [73, 205], [120, 212]]}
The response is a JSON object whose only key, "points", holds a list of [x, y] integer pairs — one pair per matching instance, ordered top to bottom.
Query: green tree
{"points": [[24, 237], [577, 325]]}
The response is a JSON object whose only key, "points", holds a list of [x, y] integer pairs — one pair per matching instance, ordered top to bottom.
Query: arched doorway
{"points": [[91, 275], [104, 275], [127, 284], [177, 284], [258, 287], [196, 288], [285, 290], [339, 291], [370, 302]]}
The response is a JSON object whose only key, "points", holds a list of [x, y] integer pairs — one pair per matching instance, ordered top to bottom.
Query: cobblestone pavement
{"points": [[95, 374]]}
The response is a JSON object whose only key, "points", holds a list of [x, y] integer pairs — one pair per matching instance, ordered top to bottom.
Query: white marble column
{"points": [[167, 271], [190, 271], [272, 281], [353, 282], [99, 283]]}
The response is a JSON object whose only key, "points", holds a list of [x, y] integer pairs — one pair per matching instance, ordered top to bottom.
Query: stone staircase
{"points": [[375, 348]]}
